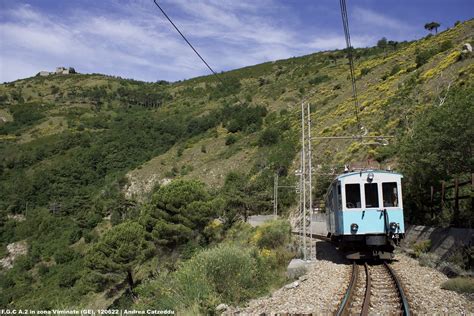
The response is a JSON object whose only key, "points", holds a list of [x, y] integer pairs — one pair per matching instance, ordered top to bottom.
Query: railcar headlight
{"points": [[370, 177], [393, 226], [354, 227]]}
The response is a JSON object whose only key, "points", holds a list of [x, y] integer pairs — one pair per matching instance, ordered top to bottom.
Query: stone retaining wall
{"points": [[443, 240]]}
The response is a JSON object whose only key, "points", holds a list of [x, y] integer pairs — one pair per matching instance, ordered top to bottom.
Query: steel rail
{"points": [[315, 236], [368, 285], [403, 298], [346, 300]]}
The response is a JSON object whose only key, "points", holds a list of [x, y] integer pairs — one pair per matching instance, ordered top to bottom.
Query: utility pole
{"points": [[299, 173], [310, 175], [303, 176], [275, 194]]}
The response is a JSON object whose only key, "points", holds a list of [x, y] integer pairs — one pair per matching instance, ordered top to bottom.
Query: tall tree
{"points": [[432, 26], [382, 43], [393, 44], [440, 149], [243, 197], [179, 212], [118, 252]]}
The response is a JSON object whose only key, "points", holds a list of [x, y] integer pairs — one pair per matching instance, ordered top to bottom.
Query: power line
{"points": [[345, 24], [190, 45]]}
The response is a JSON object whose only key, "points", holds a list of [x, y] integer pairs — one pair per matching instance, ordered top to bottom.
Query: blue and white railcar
{"points": [[365, 213]]}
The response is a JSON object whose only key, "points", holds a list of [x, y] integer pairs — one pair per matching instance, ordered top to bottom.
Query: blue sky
{"points": [[133, 40]]}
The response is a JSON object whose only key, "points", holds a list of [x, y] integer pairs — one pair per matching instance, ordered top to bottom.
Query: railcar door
{"points": [[382, 212]]}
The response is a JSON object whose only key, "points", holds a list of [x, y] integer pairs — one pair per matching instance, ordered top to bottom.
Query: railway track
{"points": [[374, 289]]}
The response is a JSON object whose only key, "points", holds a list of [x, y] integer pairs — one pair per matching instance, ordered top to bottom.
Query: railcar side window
{"points": [[390, 194], [371, 195], [339, 196], [353, 196]]}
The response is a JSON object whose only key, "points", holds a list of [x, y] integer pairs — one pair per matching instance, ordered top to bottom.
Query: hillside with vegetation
{"points": [[123, 191]]}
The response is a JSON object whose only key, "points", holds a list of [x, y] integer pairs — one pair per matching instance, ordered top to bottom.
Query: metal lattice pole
{"points": [[310, 173], [303, 175], [275, 194], [300, 204]]}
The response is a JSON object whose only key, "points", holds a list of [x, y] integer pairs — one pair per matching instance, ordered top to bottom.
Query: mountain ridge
{"points": [[82, 156]]}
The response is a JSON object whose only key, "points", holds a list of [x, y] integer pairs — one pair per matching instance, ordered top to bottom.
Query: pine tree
{"points": [[432, 26], [118, 252]]}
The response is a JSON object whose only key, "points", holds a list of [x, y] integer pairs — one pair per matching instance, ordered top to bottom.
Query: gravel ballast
{"points": [[322, 288], [319, 291], [424, 292]]}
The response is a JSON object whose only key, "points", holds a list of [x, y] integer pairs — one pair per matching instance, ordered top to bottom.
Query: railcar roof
{"points": [[353, 173]]}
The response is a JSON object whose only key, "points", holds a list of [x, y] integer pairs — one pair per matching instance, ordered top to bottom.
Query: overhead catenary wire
{"points": [[347, 35], [189, 43]]}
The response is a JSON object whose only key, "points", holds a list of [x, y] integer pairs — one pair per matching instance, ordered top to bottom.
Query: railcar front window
{"points": [[390, 194], [371, 195], [353, 196]]}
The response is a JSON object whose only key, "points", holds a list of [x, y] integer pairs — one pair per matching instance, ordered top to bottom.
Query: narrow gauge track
{"points": [[374, 289]]}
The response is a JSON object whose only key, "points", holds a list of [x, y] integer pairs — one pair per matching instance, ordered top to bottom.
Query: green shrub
{"points": [[445, 45], [422, 57], [395, 70], [364, 71], [319, 79], [229, 86], [54, 89], [24, 116], [241, 117], [269, 136], [230, 139], [180, 151], [185, 169], [115, 217], [240, 232], [273, 234], [90, 237], [422, 246], [3, 250], [64, 255], [463, 257], [428, 259], [24, 263], [43, 269], [232, 271], [225, 274], [67, 278], [460, 285]]}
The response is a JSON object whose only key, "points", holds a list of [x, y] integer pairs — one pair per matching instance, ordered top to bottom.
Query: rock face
{"points": [[467, 48], [136, 188], [14, 250], [221, 307]]}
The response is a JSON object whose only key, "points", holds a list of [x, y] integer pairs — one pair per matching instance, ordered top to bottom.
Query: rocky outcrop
{"points": [[15, 249]]}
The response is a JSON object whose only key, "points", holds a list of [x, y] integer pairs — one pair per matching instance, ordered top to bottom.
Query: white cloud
{"points": [[375, 19], [134, 40]]}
